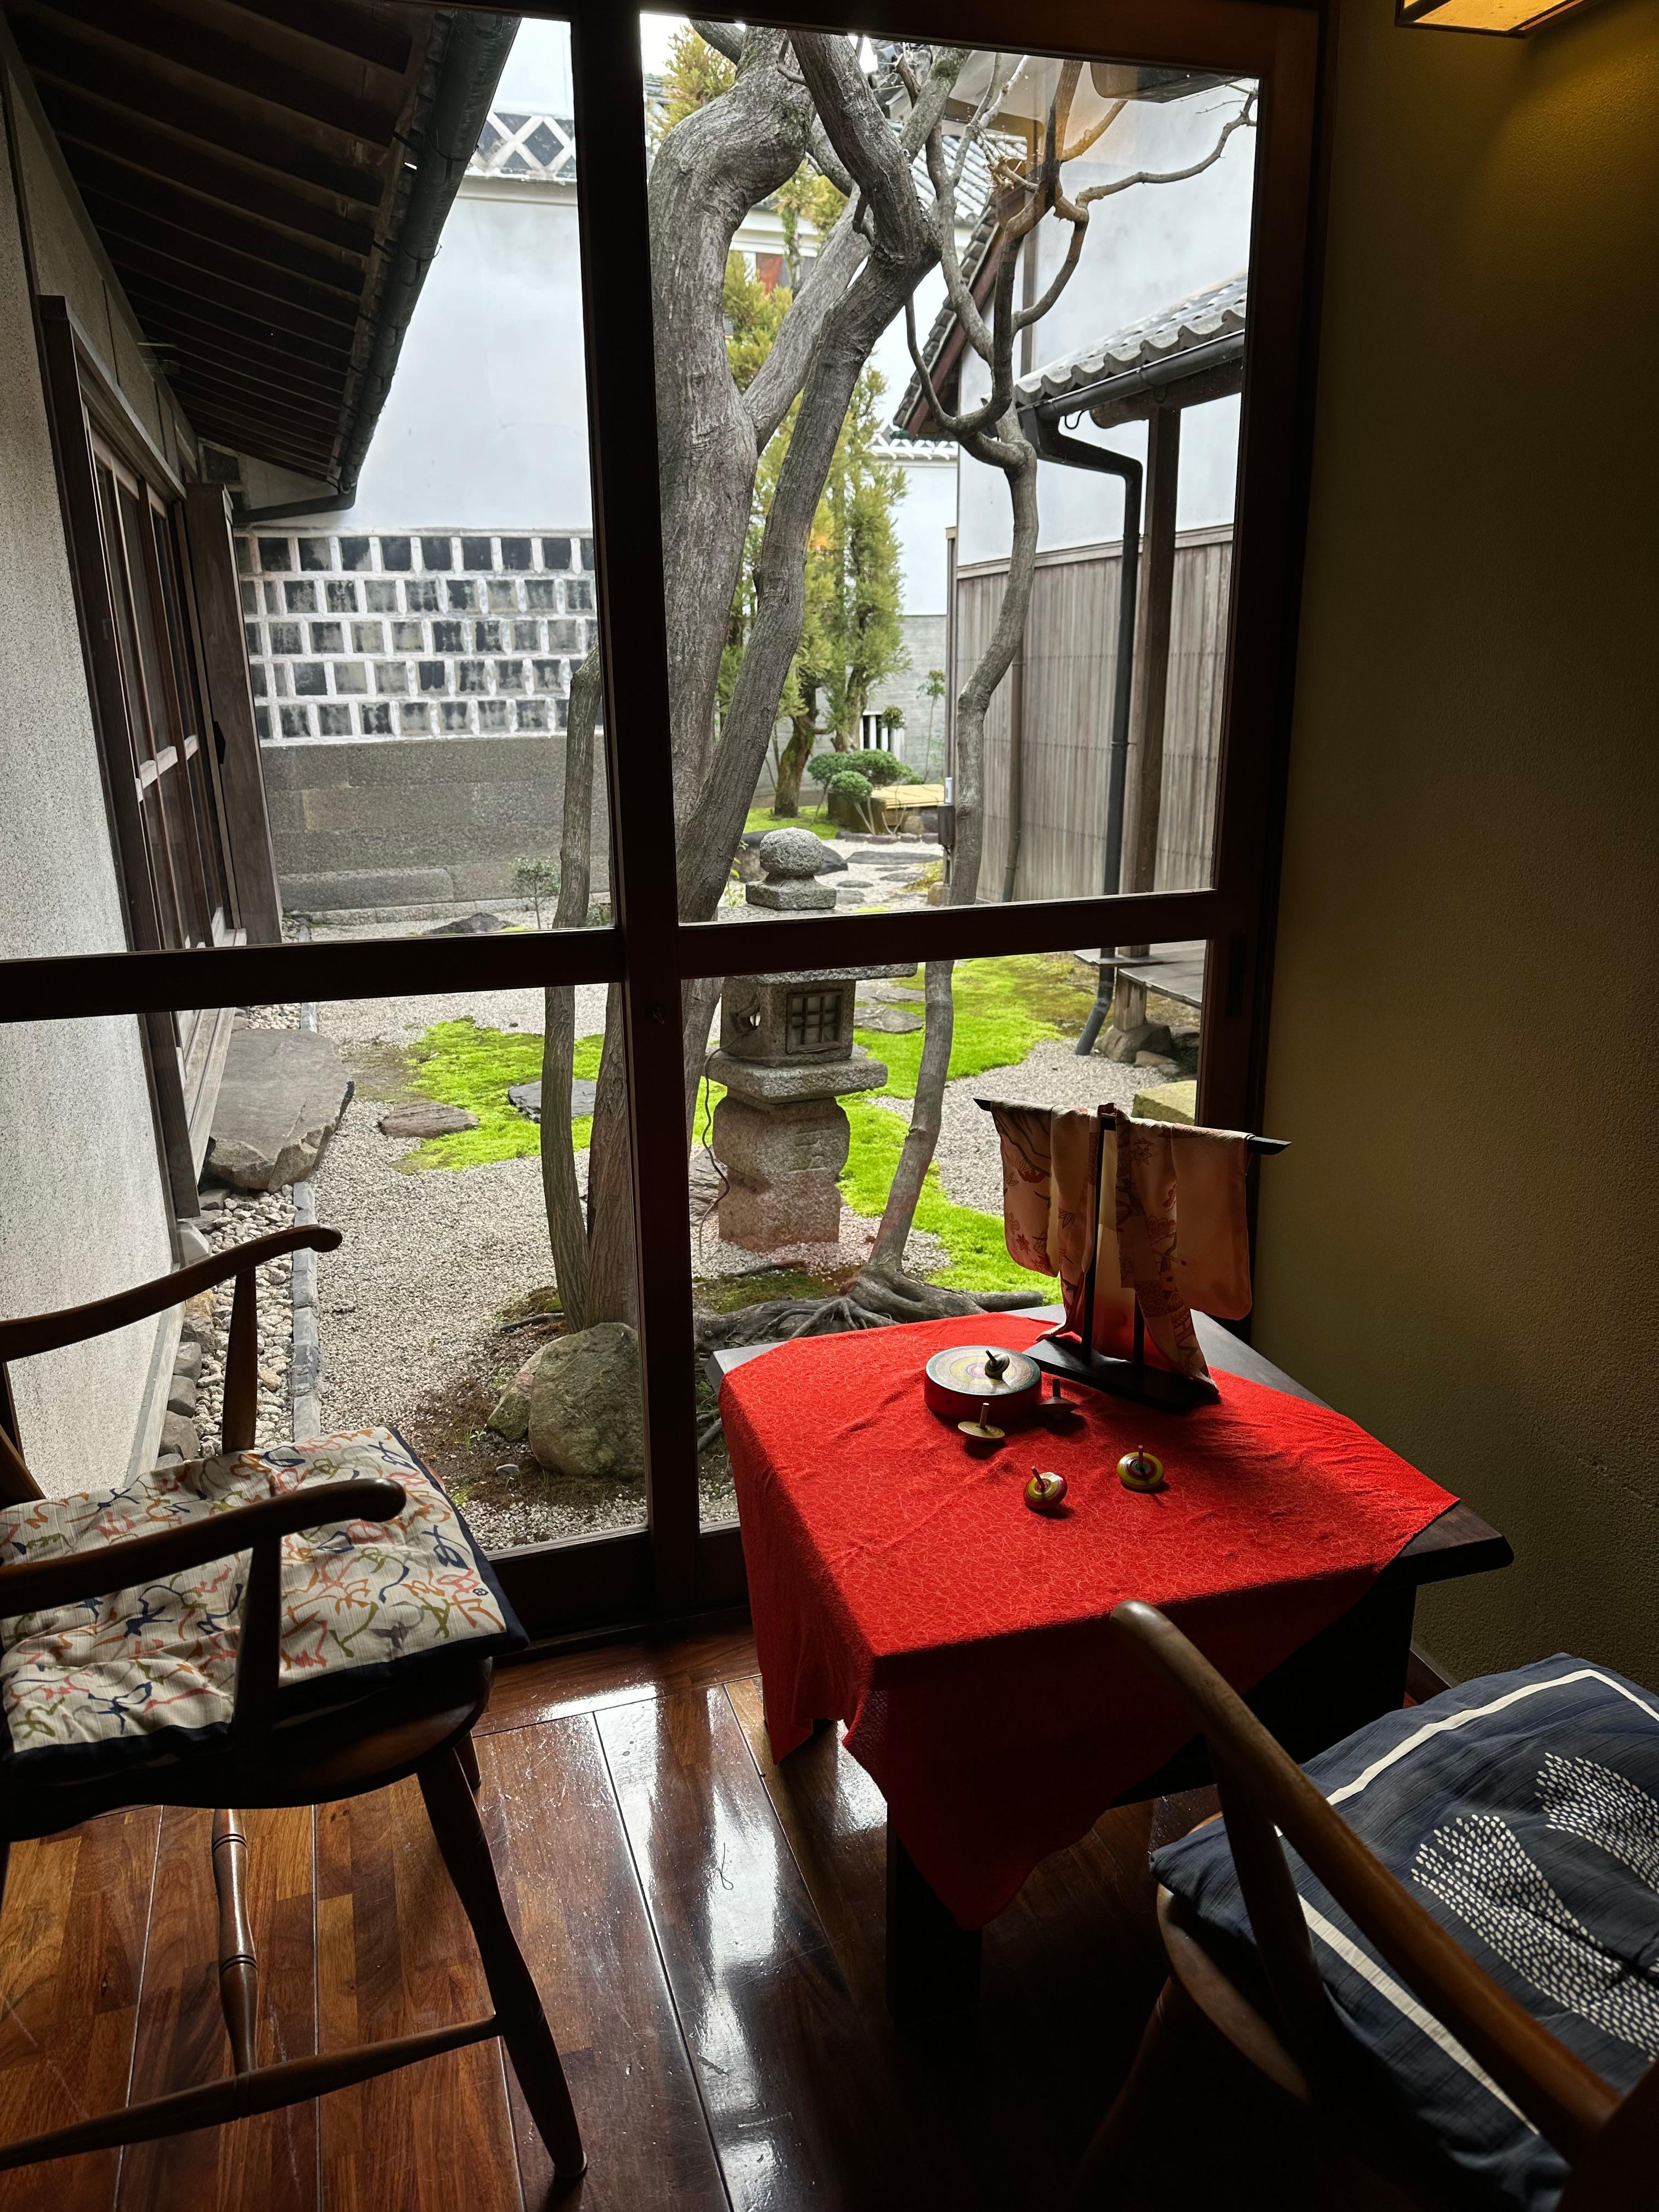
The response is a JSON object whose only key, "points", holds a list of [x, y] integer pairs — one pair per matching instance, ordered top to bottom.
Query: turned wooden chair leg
{"points": [[467, 1752], [238, 1967], [529, 2040], [1119, 2143]]}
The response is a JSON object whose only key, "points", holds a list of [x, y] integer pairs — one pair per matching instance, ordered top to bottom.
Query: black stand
{"points": [[1073, 1356]]}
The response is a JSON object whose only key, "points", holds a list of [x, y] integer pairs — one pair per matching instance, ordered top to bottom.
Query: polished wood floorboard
{"points": [[706, 1928]]}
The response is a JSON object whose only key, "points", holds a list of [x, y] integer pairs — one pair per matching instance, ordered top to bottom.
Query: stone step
{"points": [[282, 1094]]}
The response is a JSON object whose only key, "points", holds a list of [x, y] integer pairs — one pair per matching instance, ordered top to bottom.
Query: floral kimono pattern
{"points": [[1173, 1236], [357, 1598]]}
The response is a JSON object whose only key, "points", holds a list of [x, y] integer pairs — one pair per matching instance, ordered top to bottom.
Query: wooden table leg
{"points": [[933, 1963]]}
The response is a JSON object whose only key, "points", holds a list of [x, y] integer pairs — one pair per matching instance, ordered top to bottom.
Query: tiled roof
{"points": [[1199, 321]]}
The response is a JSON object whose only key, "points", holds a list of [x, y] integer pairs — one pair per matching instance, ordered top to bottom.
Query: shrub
{"points": [[878, 767], [536, 880]]}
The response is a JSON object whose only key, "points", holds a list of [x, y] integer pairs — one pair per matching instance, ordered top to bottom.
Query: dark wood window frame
{"points": [[670, 1568]]}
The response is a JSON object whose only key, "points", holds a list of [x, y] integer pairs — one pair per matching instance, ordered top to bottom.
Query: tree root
{"points": [[876, 1298]]}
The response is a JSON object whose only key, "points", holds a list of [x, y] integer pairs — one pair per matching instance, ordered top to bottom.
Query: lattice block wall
{"points": [[436, 633]]}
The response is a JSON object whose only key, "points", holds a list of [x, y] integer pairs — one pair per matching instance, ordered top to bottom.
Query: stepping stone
{"points": [[472, 924], [891, 1021], [282, 1092], [527, 1097], [429, 1118]]}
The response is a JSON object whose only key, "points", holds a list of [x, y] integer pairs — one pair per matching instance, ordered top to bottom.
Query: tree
{"points": [[794, 101], [852, 632], [933, 691]]}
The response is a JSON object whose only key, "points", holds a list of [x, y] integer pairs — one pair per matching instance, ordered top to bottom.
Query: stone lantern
{"points": [[786, 1054]]}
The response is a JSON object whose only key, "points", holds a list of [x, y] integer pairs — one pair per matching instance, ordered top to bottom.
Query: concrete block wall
{"points": [[400, 822]]}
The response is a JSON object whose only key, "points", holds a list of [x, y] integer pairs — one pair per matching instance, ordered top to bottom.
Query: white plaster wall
{"points": [[1145, 249], [485, 426], [921, 519], [83, 1207]]}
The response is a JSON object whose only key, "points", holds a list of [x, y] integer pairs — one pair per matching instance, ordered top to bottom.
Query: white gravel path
{"points": [[968, 1157]]}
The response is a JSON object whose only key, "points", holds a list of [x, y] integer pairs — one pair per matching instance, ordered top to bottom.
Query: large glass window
{"points": [[892, 500]]}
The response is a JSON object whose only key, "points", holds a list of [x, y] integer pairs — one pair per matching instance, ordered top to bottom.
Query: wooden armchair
{"points": [[377, 1724], [1274, 2008]]}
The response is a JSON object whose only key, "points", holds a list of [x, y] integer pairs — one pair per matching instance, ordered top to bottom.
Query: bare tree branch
{"points": [[1244, 120], [862, 137]]}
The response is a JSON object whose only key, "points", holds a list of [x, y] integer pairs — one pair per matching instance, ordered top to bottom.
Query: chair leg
{"points": [[467, 1752], [238, 1967], [529, 2040], [1119, 2142]]}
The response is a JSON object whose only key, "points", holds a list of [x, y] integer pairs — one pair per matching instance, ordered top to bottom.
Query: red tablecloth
{"points": [[901, 1584]]}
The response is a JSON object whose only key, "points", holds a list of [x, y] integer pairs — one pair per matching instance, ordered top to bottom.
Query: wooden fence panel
{"points": [[1071, 648]]}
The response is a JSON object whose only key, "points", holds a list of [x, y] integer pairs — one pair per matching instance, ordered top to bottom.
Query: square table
{"points": [[1346, 1671]]}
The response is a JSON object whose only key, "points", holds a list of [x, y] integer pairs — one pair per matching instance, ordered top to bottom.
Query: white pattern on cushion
{"points": [[163, 1655]]}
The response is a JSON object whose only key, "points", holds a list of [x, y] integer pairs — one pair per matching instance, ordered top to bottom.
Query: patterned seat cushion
{"points": [[144, 1671], [1522, 1811]]}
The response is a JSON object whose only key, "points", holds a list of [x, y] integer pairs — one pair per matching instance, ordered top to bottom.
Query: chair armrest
{"points": [[31, 1333], [36, 1585]]}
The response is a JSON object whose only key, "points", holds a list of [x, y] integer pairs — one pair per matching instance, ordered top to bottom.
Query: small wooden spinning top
{"points": [[982, 1431], [1140, 1469], [1045, 1493]]}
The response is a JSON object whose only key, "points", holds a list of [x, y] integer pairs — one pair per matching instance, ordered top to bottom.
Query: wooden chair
{"points": [[418, 1725], [1295, 2048]]}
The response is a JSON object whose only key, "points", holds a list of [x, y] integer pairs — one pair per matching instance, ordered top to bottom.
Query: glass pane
{"points": [[903, 572], [197, 733], [431, 749], [807, 1213], [445, 1288]]}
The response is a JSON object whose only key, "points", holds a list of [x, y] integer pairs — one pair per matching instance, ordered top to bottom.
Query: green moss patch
{"points": [[763, 818], [1003, 1008], [468, 1066]]}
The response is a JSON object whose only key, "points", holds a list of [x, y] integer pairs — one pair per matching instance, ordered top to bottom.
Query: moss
{"points": [[763, 818], [1003, 1008], [467, 1066], [729, 1293]]}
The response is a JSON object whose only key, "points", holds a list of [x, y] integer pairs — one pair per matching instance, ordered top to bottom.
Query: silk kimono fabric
{"points": [[1173, 1234]]}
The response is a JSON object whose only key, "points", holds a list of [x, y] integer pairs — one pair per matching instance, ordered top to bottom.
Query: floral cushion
{"points": [[135, 1673]]}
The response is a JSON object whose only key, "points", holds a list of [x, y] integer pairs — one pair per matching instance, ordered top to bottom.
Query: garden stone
{"points": [[791, 852], [792, 896], [474, 924], [890, 1021], [1149, 1037], [282, 1094], [526, 1097], [429, 1118], [187, 1360], [181, 1396], [585, 1408], [510, 1416], [178, 1435]]}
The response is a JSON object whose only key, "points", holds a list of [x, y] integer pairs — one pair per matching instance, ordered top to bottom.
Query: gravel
{"points": [[969, 1157], [237, 1216]]}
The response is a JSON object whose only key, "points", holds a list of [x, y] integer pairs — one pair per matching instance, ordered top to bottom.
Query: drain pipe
{"points": [[1053, 445]]}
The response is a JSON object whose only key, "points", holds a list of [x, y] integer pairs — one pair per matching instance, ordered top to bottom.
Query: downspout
{"points": [[441, 146], [1053, 445]]}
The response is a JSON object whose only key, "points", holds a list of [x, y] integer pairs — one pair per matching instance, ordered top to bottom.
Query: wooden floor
{"points": [[706, 1929]]}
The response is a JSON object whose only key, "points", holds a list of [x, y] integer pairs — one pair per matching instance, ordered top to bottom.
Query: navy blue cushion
{"points": [[1522, 1811]]}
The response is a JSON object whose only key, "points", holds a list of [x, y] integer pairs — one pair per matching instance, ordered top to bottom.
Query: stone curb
{"points": [[306, 1370]]}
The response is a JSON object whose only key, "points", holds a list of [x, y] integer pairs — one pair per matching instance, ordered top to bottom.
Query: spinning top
{"points": [[984, 1388], [1140, 1469], [1045, 1493]]}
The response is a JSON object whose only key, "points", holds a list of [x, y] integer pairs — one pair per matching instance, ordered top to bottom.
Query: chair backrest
{"points": [[1613, 2146]]}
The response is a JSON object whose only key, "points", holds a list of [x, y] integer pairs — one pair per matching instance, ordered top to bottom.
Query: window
{"points": [[162, 722], [832, 957]]}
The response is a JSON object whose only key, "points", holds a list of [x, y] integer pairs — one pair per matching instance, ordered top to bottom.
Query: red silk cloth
{"points": [[898, 1582]]}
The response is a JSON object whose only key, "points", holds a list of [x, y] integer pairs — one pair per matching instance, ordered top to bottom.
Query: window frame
{"points": [[670, 1568]]}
